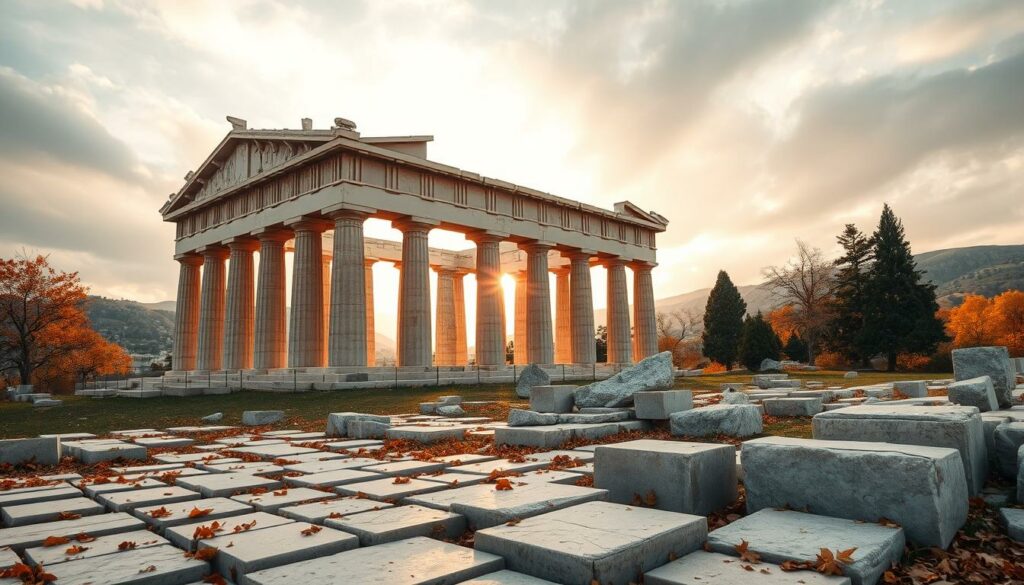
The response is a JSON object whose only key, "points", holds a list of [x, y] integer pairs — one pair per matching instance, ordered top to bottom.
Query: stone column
{"points": [[325, 262], [414, 293], [490, 304], [211, 309], [186, 317], [239, 324], [563, 327], [306, 329], [371, 330], [445, 335], [645, 335], [519, 338], [539, 342], [271, 343], [348, 345], [619, 346], [461, 347], [584, 350]]}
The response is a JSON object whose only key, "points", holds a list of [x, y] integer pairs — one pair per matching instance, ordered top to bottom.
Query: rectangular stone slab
{"points": [[557, 399], [660, 404], [805, 406], [955, 427], [427, 435], [270, 452], [332, 465], [250, 467], [486, 467], [405, 468], [331, 478], [695, 478], [226, 484], [386, 488], [921, 488], [96, 490], [16, 497], [127, 501], [271, 501], [484, 506], [48, 511], [317, 512], [178, 514], [399, 523], [182, 535], [787, 535], [24, 537], [610, 543], [103, 545], [275, 546], [413, 561], [132, 567], [704, 568], [507, 577]]}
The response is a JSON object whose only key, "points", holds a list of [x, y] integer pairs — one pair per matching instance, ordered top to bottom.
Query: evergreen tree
{"points": [[851, 279], [899, 309], [723, 321], [758, 342], [796, 349]]}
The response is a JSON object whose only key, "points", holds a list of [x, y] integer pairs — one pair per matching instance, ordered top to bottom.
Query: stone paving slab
{"points": [[427, 435], [151, 442], [353, 444], [270, 452], [90, 454], [550, 456], [308, 457], [195, 458], [464, 459], [332, 465], [250, 467], [486, 467], [405, 468], [153, 469], [547, 476], [331, 478], [226, 484], [386, 489], [96, 490], [17, 497], [127, 501], [271, 501], [484, 506], [48, 511], [317, 512], [165, 515], [399, 523], [31, 535], [787, 535], [183, 536], [610, 543], [103, 545], [244, 552], [414, 561], [170, 567], [704, 568], [507, 577]]}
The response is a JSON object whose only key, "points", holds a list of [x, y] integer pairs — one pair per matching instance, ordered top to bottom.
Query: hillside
{"points": [[983, 270], [132, 325]]}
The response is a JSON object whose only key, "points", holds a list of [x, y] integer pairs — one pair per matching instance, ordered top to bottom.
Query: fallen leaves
{"points": [[401, 480], [503, 484], [281, 492], [161, 512], [197, 512], [68, 516], [243, 527], [313, 529], [208, 530], [83, 537], [55, 541], [126, 545], [75, 549], [205, 554], [747, 555], [36, 575], [215, 579]]}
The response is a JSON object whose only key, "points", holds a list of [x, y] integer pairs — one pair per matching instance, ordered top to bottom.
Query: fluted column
{"points": [[325, 263], [414, 294], [490, 303], [211, 309], [186, 318], [239, 322], [563, 327], [306, 329], [371, 330], [445, 335], [645, 335], [519, 338], [539, 342], [348, 345], [619, 346], [461, 347], [271, 349], [584, 350]]}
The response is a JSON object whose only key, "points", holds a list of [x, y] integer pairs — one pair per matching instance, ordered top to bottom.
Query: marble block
{"points": [[399, 523]]}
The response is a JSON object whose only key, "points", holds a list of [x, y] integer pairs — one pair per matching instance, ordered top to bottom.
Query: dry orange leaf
{"points": [[401, 480], [503, 484], [161, 512], [199, 513], [68, 516], [244, 527], [313, 529], [83, 537], [56, 540], [126, 545], [75, 549], [205, 554], [745, 554], [827, 563], [215, 579]]}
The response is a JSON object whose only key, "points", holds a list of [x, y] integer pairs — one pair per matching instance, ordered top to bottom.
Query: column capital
{"points": [[350, 210], [306, 223], [412, 223], [272, 234], [486, 236], [244, 243], [534, 246], [214, 251], [579, 254], [189, 258], [614, 261], [642, 266], [444, 269], [560, 270]]}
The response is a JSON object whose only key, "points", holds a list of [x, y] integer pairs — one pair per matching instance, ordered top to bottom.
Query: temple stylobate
{"points": [[310, 191]]}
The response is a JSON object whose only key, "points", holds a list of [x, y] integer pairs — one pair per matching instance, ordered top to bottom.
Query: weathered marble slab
{"points": [[226, 484], [386, 489], [127, 501], [271, 501], [48, 511], [317, 512], [166, 515], [399, 523], [31, 535], [183, 536], [103, 545], [242, 553], [170, 567], [704, 568]]}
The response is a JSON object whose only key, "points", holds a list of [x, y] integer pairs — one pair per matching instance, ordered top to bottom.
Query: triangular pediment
{"points": [[631, 210]]}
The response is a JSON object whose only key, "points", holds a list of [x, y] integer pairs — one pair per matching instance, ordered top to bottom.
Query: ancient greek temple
{"points": [[310, 191]]}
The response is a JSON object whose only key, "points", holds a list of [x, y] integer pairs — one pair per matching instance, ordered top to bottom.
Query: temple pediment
{"points": [[629, 209]]}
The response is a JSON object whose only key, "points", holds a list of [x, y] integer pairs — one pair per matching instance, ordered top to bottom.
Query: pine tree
{"points": [[851, 279], [899, 309], [723, 321], [758, 342], [796, 349]]}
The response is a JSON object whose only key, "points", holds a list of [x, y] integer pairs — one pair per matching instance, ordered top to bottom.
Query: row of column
{"points": [[220, 325]]}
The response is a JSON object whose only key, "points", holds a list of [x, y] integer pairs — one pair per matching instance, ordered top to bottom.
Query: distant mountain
{"points": [[983, 270], [134, 326]]}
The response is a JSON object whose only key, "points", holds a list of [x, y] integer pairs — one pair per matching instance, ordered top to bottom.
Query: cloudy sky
{"points": [[746, 123]]}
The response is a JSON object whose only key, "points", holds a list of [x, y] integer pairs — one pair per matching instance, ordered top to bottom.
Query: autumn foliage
{"points": [[981, 321], [45, 336]]}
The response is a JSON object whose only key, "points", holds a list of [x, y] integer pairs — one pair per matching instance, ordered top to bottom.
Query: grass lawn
{"points": [[309, 410]]}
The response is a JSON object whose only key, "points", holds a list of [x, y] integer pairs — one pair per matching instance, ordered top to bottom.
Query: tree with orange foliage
{"points": [[1009, 315], [783, 322], [972, 323], [43, 326]]}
